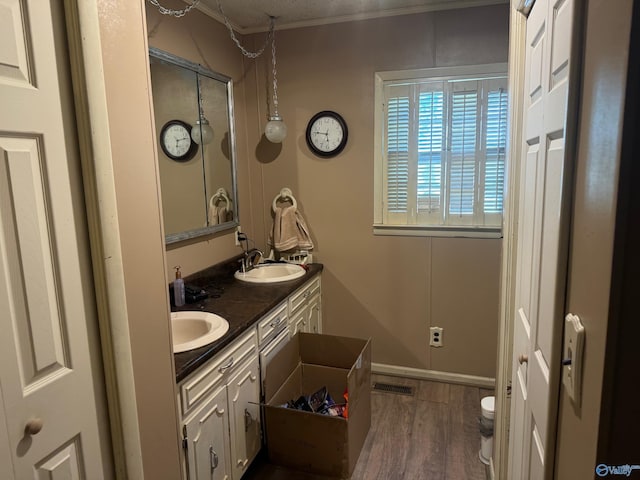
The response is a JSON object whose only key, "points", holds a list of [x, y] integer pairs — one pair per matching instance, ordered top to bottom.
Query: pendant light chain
{"points": [[170, 11], [244, 51], [274, 74]]}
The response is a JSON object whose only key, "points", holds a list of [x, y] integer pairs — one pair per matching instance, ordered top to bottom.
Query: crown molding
{"points": [[436, 5]]}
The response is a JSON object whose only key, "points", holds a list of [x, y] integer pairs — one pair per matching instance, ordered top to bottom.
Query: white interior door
{"points": [[542, 233], [50, 405]]}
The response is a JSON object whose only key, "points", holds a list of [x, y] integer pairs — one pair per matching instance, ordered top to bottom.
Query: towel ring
{"points": [[221, 194], [285, 194]]}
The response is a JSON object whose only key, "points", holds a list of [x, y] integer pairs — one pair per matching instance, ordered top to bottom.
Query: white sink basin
{"points": [[271, 273], [191, 330]]}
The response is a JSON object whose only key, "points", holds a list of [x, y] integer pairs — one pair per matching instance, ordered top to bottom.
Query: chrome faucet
{"points": [[251, 259]]}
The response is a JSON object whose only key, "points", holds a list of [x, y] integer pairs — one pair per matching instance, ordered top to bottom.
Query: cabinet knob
{"points": [[523, 358], [33, 426]]}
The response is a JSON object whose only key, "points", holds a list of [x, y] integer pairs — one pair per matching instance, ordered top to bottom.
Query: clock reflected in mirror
{"points": [[327, 134], [176, 141]]}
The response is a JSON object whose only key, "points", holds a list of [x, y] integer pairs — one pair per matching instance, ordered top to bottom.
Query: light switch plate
{"points": [[572, 357]]}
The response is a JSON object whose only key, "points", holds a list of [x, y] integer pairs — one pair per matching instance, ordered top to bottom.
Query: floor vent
{"points": [[389, 388]]}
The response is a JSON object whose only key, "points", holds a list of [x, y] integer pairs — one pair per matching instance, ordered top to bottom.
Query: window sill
{"points": [[422, 231]]}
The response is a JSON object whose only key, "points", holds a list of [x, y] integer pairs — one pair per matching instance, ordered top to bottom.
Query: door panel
{"points": [[542, 233], [30, 264], [46, 297], [64, 463]]}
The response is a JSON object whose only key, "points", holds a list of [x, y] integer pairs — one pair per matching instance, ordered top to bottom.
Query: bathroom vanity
{"points": [[220, 385]]}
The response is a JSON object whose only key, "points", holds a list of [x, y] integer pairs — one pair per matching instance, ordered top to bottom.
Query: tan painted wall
{"points": [[200, 39], [126, 77], [603, 90], [390, 288]]}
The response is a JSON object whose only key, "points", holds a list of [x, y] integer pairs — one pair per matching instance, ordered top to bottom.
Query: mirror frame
{"points": [[228, 81]]}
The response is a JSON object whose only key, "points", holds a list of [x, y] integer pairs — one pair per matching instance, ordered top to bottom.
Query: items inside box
{"points": [[321, 402]]}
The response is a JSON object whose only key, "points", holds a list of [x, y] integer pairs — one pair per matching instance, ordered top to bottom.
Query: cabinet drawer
{"points": [[299, 297], [272, 323], [196, 387]]}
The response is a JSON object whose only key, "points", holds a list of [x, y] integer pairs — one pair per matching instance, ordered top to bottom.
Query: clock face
{"points": [[327, 134], [176, 142]]}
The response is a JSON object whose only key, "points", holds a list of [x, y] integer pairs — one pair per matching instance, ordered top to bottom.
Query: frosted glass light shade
{"points": [[276, 130], [202, 133]]}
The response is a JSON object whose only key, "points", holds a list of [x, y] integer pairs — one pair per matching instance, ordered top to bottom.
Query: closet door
{"points": [[50, 372]]}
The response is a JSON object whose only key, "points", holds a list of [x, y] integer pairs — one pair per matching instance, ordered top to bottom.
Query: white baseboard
{"points": [[422, 374]]}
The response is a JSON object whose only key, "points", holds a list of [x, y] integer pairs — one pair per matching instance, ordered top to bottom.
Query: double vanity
{"points": [[220, 383]]}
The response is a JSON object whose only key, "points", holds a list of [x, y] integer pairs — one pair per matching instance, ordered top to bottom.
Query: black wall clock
{"points": [[327, 134], [176, 141]]}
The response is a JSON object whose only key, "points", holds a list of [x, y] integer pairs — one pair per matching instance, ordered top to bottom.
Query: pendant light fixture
{"points": [[276, 129], [201, 133]]}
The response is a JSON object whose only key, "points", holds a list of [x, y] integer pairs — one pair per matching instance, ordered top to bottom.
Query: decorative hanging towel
{"points": [[289, 231]]}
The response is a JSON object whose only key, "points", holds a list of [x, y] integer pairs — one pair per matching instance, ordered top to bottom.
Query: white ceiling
{"points": [[249, 16]]}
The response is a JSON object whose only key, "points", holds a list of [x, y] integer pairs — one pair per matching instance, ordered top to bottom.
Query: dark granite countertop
{"points": [[242, 304]]}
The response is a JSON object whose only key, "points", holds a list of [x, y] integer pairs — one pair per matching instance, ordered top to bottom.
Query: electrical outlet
{"points": [[236, 235], [435, 337]]}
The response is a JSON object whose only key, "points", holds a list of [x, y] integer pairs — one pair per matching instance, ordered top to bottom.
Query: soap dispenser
{"points": [[178, 288]]}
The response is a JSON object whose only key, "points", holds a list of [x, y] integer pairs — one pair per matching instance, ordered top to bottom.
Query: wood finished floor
{"points": [[432, 435]]}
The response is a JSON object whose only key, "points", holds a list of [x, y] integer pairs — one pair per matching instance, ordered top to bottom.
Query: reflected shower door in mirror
{"points": [[193, 110]]}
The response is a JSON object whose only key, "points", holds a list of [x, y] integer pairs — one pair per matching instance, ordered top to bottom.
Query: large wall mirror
{"points": [[196, 147]]}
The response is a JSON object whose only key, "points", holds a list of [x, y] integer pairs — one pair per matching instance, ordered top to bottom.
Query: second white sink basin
{"points": [[271, 273], [195, 329]]}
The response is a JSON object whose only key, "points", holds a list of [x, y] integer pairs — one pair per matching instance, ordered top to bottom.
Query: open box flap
{"points": [[330, 350], [281, 366]]}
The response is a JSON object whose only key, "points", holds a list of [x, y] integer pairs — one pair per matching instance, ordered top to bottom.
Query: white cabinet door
{"points": [[305, 312], [314, 314], [299, 321], [244, 397], [207, 440]]}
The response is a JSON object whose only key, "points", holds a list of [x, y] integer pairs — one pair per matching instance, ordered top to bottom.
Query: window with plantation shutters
{"points": [[440, 157]]}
